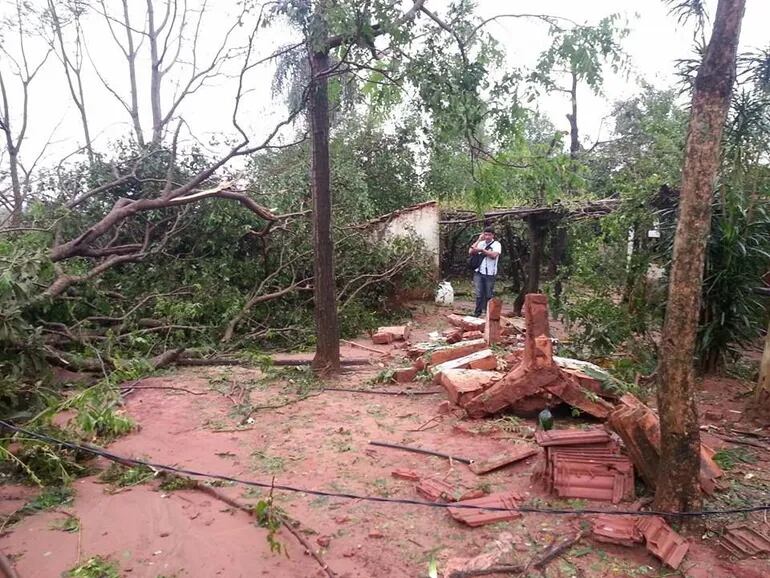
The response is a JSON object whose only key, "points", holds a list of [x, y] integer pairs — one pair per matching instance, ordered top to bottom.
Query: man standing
{"points": [[487, 250]]}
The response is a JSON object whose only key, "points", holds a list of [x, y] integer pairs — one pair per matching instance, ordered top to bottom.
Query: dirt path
{"points": [[322, 443]]}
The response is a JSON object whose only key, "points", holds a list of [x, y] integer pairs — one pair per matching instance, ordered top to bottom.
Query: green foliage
{"points": [[738, 254], [729, 458], [120, 476], [172, 482], [270, 517], [96, 567]]}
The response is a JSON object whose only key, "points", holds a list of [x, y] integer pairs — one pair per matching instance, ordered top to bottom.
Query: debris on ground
{"points": [[467, 322], [386, 335], [537, 381], [463, 384], [639, 428], [505, 458], [585, 464], [505, 502], [621, 530], [743, 541], [663, 542], [491, 555]]}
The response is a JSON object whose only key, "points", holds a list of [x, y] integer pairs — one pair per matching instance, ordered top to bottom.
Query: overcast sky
{"points": [[655, 41]]}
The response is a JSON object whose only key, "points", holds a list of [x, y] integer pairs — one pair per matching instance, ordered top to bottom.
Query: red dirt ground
{"points": [[322, 443]]}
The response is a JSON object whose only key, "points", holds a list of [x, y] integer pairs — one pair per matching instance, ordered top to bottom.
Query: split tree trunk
{"points": [[327, 356], [677, 488]]}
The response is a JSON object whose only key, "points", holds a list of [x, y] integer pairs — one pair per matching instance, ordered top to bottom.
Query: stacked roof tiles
{"points": [[585, 464]]}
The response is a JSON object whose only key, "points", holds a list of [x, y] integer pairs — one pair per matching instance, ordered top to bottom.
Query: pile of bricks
{"points": [[538, 381], [585, 464], [661, 540]]}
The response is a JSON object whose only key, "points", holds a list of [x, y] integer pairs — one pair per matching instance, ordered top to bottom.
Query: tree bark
{"points": [[131, 59], [155, 76], [536, 233], [327, 355], [763, 385], [677, 488]]}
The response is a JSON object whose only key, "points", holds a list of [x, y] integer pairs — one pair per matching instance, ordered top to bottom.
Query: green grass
{"points": [[729, 458]]}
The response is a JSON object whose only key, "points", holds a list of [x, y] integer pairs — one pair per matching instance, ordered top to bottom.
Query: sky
{"points": [[654, 43]]}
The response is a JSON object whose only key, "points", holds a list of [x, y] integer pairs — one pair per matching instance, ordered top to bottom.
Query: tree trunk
{"points": [[131, 59], [69, 70], [155, 76], [536, 235], [327, 355], [763, 385], [677, 488]]}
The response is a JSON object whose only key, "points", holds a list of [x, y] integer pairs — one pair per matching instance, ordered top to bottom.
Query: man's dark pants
{"points": [[484, 287]]}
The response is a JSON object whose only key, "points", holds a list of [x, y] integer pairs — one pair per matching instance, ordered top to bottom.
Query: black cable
{"points": [[523, 509]]}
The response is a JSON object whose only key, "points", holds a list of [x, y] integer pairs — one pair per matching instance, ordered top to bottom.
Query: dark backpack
{"points": [[474, 261]]}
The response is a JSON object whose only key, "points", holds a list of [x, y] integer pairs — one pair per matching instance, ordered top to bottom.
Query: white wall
{"points": [[421, 220]]}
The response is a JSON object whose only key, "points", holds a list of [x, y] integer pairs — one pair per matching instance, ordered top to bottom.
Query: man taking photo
{"points": [[484, 254]]}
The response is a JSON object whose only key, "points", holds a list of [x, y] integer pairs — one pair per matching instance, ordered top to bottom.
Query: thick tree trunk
{"points": [[536, 233], [327, 356], [763, 385], [677, 488]]}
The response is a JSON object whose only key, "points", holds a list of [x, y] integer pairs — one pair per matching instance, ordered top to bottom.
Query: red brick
{"points": [[466, 323], [399, 332], [453, 335], [468, 335], [382, 338], [454, 351], [483, 359], [487, 363], [405, 374], [463, 384], [444, 408], [503, 459], [404, 474], [478, 517]]}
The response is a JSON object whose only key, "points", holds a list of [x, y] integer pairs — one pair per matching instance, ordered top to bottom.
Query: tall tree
{"points": [[677, 488]]}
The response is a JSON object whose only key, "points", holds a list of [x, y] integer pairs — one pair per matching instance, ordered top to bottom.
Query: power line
{"points": [[405, 501]]}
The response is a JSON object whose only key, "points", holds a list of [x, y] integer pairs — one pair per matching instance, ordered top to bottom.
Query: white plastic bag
{"points": [[445, 294]]}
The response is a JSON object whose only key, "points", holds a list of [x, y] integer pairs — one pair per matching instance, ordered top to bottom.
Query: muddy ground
{"points": [[322, 442]]}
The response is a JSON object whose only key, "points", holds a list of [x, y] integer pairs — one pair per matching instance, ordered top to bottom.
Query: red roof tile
{"points": [[565, 437], [477, 517], [621, 530], [741, 540], [663, 542]]}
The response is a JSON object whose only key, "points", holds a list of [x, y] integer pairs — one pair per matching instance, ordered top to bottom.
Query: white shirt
{"points": [[489, 265]]}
